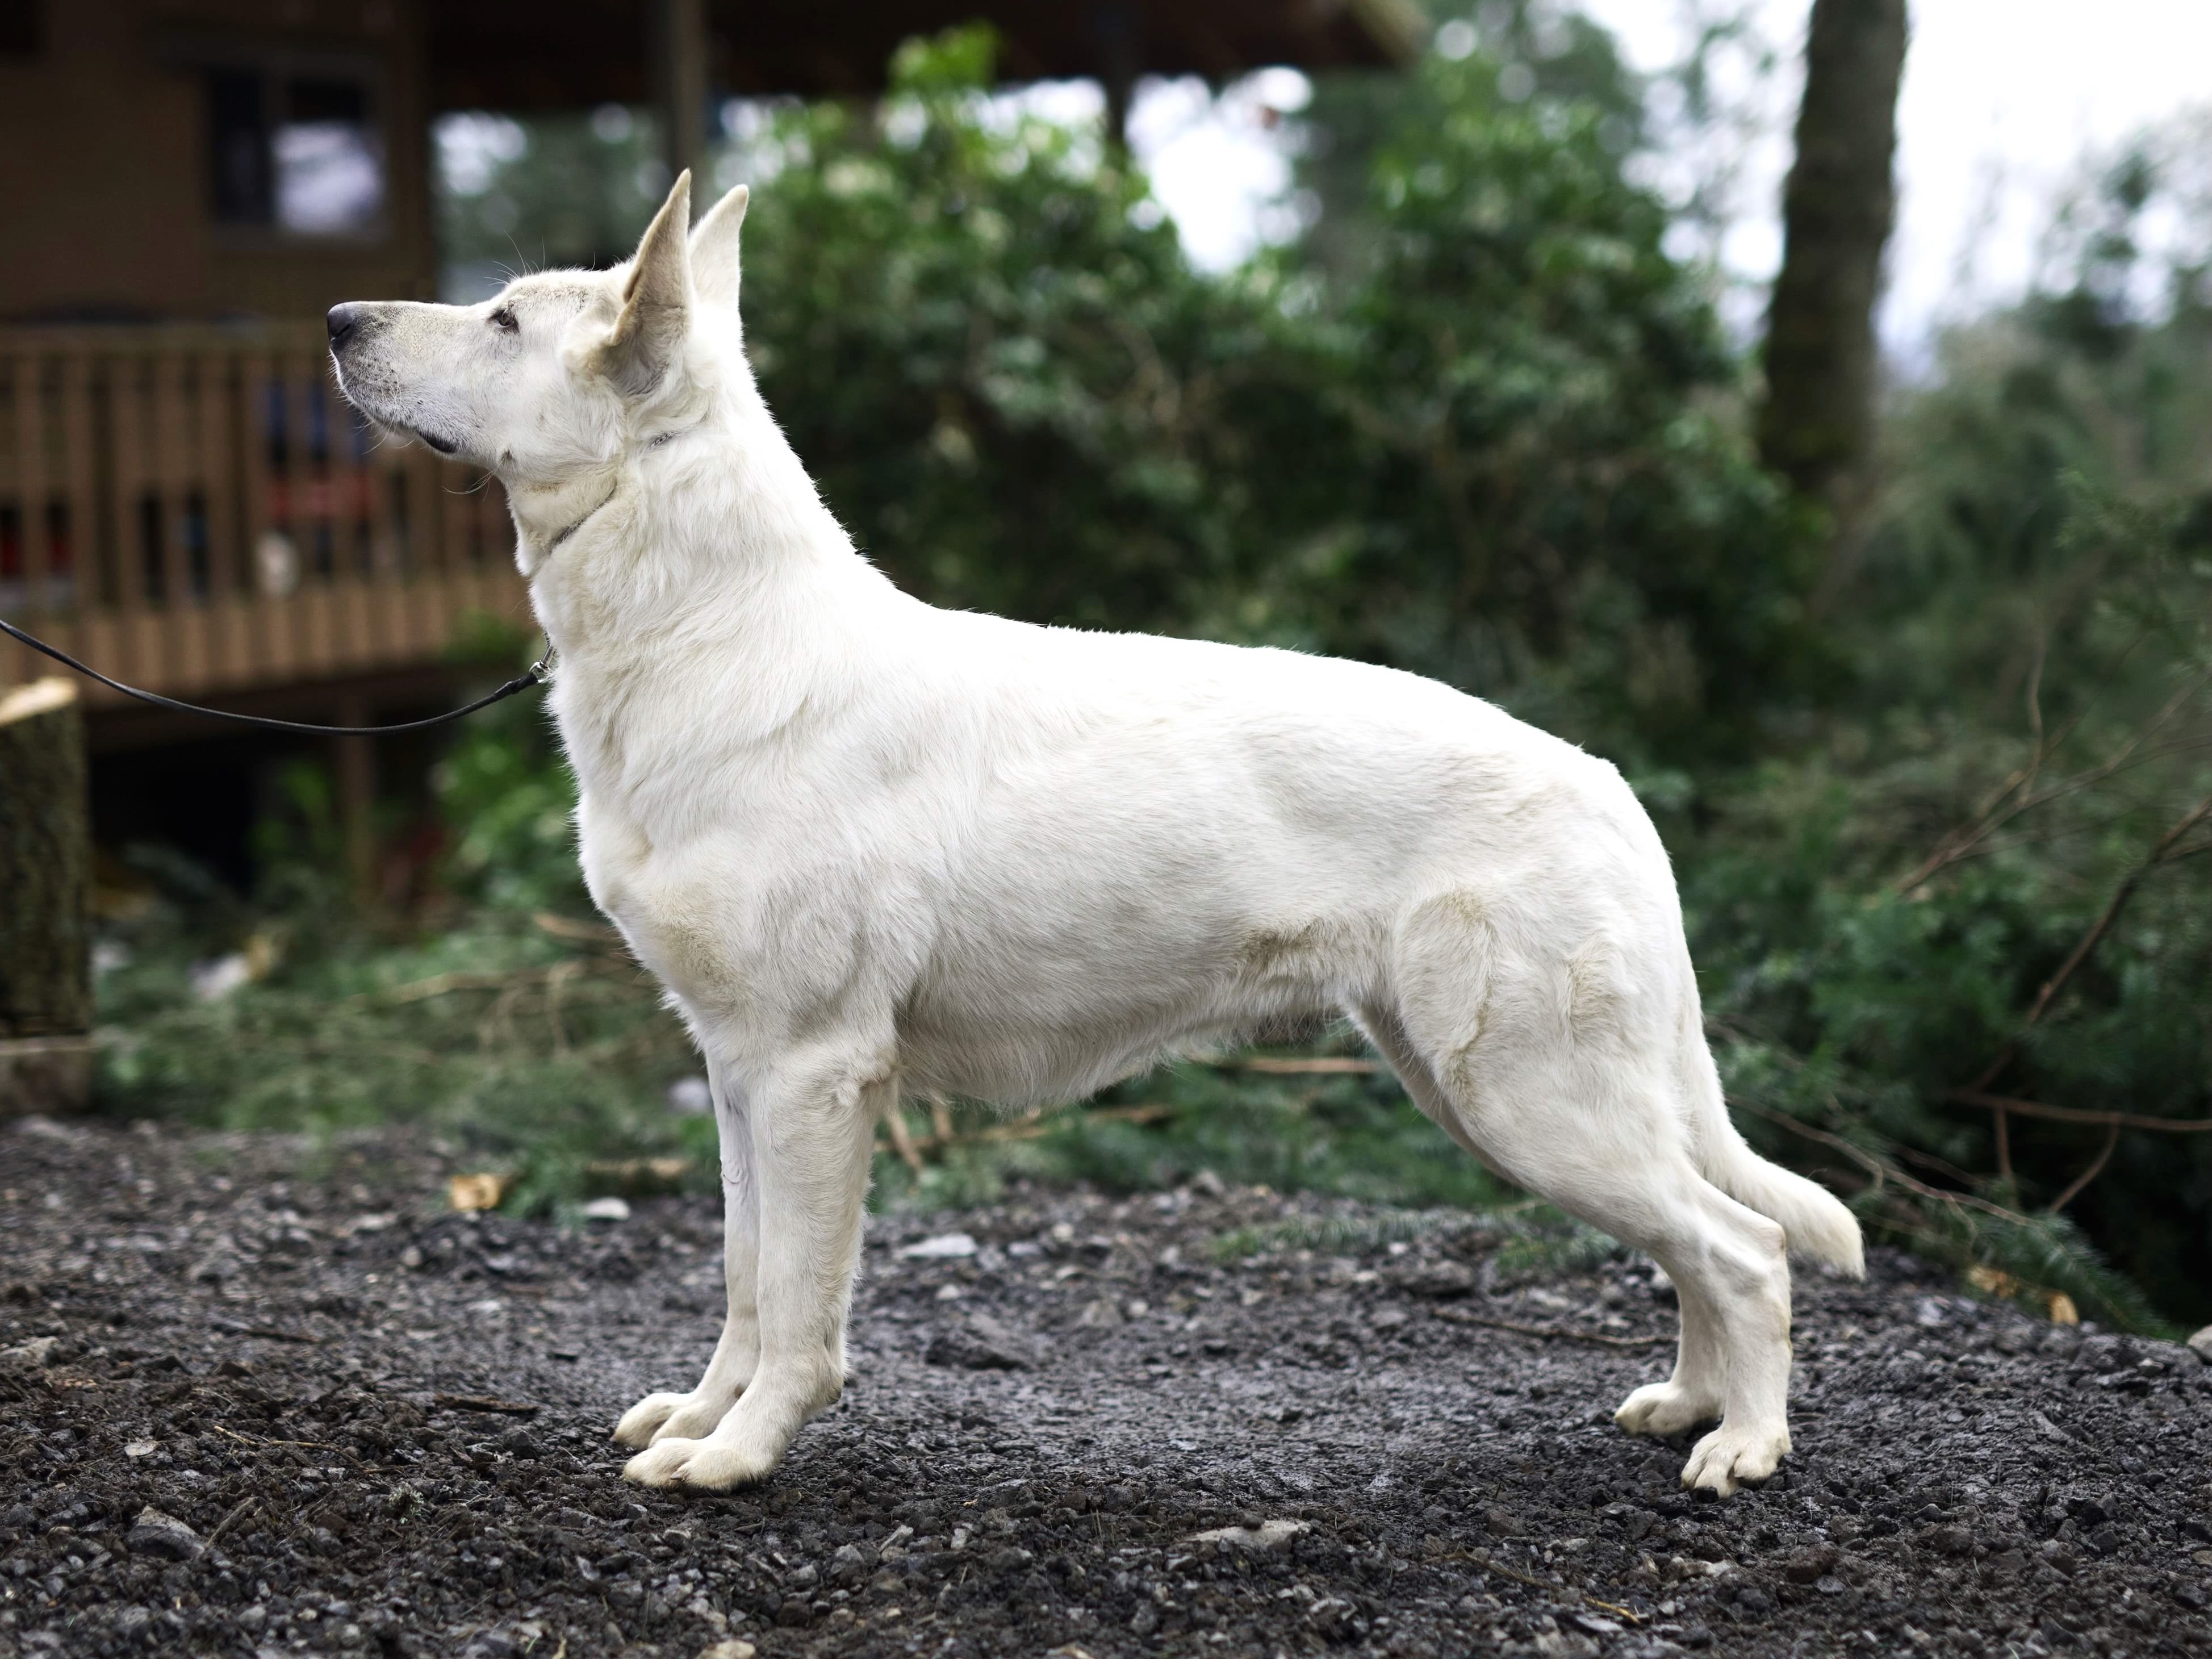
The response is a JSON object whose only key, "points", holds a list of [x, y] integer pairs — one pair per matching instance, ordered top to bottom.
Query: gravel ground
{"points": [[261, 1398]]}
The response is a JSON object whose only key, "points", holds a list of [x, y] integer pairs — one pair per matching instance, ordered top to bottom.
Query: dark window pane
{"points": [[22, 27], [326, 101], [238, 134]]}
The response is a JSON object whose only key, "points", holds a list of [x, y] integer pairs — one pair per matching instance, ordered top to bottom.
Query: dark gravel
{"points": [[246, 1407]]}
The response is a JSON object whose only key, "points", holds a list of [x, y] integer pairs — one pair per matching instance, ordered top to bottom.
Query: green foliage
{"points": [[565, 190], [1007, 379], [1498, 456], [1547, 503]]}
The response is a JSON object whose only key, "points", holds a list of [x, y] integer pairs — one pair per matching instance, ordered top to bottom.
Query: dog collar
{"points": [[561, 536]]}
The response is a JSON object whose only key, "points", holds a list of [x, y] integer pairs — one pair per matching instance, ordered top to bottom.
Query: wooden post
{"points": [[678, 48], [45, 910]]}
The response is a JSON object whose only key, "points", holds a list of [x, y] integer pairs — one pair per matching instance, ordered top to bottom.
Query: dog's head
{"points": [[563, 373]]}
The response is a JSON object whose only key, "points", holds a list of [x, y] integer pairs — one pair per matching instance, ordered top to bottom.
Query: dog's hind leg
{"points": [[1547, 1069], [813, 1123], [1634, 1180], [1694, 1394], [693, 1415]]}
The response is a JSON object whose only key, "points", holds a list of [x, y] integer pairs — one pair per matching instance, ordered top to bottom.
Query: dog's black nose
{"points": [[342, 320]]}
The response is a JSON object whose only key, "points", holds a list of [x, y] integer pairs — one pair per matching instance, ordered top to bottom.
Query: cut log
{"points": [[46, 890]]}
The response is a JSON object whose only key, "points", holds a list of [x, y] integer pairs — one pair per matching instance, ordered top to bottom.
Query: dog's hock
{"points": [[715, 249], [656, 310]]}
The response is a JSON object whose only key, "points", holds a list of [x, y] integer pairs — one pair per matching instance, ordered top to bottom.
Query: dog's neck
{"points": [[546, 515], [698, 593]]}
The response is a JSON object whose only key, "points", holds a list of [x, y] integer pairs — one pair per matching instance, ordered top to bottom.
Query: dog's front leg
{"points": [[813, 1128], [692, 1416]]}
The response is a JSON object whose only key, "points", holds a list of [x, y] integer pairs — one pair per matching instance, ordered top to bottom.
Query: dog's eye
{"points": [[503, 320]]}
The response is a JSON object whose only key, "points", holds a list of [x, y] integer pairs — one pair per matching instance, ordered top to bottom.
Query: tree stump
{"points": [[46, 891]]}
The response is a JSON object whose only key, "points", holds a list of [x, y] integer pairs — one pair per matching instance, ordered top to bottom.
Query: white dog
{"points": [[870, 846]]}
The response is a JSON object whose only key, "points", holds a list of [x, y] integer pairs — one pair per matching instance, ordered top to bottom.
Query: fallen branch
{"points": [[2017, 794], [2159, 854], [579, 932], [1030, 1126], [2175, 1126], [2000, 1128], [2096, 1168], [1883, 1169], [1548, 1332], [481, 1402], [239, 1512], [1489, 1564]]}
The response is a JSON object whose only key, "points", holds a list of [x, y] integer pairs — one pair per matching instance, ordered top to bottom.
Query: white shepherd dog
{"points": [[871, 847]]}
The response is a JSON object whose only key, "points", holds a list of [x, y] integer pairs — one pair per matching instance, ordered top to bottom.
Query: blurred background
{"points": [[1804, 406]]}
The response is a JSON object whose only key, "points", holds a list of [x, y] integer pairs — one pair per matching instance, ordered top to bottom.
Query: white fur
{"points": [[873, 847]]}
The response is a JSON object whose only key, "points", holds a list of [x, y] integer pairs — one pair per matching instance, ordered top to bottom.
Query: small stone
{"points": [[606, 1209], [944, 1247], [215, 1267], [1441, 1280], [1102, 1314], [980, 1343], [2200, 1345], [30, 1356], [137, 1448], [155, 1534], [1268, 1535], [1950, 1540], [1008, 1557], [1809, 1566], [732, 1648]]}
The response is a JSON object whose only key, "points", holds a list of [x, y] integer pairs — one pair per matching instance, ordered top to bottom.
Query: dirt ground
{"points": [[364, 1424]]}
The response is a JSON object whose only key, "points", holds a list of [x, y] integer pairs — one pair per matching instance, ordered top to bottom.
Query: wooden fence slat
{"points": [[205, 439], [86, 539]]}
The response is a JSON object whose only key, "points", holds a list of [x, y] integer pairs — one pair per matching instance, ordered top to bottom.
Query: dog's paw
{"points": [[1665, 1409], [643, 1420], [695, 1420], [1730, 1457], [698, 1465]]}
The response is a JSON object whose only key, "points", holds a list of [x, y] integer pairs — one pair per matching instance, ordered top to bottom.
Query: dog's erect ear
{"points": [[715, 249], [656, 300]]}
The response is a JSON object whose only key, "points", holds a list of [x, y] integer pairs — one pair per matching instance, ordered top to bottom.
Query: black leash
{"points": [[539, 673]]}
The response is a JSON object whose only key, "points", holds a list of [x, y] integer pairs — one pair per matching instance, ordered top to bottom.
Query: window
{"points": [[22, 27], [296, 153]]}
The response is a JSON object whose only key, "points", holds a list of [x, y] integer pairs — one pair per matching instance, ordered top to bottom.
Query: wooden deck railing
{"points": [[196, 510]]}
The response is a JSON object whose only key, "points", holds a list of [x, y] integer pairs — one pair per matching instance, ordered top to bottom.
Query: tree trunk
{"points": [[1817, 427], [45, 886]]}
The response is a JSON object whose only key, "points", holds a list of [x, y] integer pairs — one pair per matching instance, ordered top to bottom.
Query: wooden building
{"points": [[187, 186]]}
